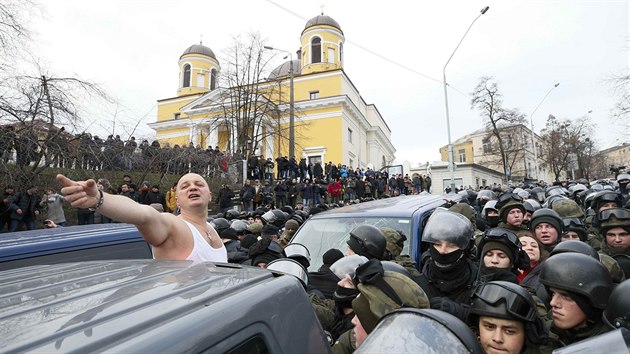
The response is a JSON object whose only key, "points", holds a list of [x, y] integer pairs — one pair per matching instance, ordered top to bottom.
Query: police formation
{"points": [[527, 270]]}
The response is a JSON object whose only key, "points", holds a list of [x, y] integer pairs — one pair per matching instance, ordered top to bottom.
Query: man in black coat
{"points": [[25, 209]]}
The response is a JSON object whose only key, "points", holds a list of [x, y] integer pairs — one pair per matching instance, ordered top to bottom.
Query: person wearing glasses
{"points": [[511, 211], [615, 228], [579, 287], [504, 316]]}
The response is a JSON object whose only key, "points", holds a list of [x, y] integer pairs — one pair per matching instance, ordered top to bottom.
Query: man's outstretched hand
{"points": [[81, 194]]}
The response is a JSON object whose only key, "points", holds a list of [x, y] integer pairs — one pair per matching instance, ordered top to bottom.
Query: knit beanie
{"points": [[555, 222], [291, 225], [494, 245], [331, 256]]}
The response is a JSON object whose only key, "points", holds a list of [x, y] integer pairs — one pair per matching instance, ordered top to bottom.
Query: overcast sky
{"points": [[132, 49]]}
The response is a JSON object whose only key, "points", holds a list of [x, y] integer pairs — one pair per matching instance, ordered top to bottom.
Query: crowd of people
{"points": [[88, 152], [528, 269]]}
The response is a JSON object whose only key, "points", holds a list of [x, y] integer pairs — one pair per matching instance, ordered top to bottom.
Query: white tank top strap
{"points": [[202, 251]]}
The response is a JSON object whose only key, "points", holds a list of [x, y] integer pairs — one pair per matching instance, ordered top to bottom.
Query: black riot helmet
{"points": [[538, 193], [606, 196], [232, 214], [275, 217], [220, 224], [368, 241], [575, 246], [580, 274], [503, 299], [617, 313], [425, 330]]}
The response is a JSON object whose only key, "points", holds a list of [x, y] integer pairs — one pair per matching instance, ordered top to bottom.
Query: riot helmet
{"points": [[486, 194], [539, 194], [605, 197], [551, 200], [531, 205], [567, 208], [232, 214], [275, 217], [614, 217], [220, 224], [575, 225], [240, 226], [448, 226], [367, 240], [575, 246], [299, 253], [347, 265], [290, 267], [395, 267], [580, 274], [382, 292], [503, 299], [617, 313], [425, 330]]}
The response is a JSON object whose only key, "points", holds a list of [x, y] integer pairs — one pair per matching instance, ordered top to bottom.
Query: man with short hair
{"points": [[615, 227], [187, 236]]}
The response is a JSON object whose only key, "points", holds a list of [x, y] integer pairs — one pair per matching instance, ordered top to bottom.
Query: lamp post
{"points": [[291, 102], [531, 118], [451, 157]]}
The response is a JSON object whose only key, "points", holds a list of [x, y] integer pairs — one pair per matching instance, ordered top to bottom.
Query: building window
{"points": [[316, 50], [331, 55], [186, 78], [200, 79], [213, 79], [313, 95], [176, 116], [350, 135], [508, 142], [487, 146], [462, 155], [350, 163]]}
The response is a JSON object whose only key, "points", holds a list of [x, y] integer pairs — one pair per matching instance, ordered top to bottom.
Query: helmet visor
{"points": [[448, 226], [347, 265]]}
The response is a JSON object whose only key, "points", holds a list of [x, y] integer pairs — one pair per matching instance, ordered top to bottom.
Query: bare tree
{"points": [[621, 87], [488, 100], [251, 103]]}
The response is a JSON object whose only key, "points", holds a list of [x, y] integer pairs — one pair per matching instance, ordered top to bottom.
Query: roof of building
{"points": [[320, 20], [199, 49], [283, 69], [614, 148]]}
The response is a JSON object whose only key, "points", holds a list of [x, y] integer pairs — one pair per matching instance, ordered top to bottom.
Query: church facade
{"points": [[332, 121]]}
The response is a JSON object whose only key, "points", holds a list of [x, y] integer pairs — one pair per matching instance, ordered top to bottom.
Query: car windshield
{"points": [[320, 235]]}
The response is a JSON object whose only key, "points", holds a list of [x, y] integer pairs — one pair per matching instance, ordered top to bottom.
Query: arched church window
{"points": [[316, 50], [213, 79], [186, 81]]}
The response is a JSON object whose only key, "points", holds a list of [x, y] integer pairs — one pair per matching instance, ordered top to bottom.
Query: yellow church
{"points": [[332, 122]]}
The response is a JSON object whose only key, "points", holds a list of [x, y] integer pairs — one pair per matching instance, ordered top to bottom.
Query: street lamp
{"points": [[291, 102], [531, 118], [451, 158]]}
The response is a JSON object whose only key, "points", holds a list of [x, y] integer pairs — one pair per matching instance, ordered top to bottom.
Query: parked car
{"points": [[331, 229], [71, 244], [148, 306]]}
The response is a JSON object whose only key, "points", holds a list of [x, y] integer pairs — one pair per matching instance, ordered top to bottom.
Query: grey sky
{"points": [[132, 49]]}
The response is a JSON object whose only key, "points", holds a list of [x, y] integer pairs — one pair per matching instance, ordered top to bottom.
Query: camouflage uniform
{"points": [[395, 241], [346, 343]]}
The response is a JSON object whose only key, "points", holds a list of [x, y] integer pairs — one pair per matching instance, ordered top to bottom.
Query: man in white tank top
{"points": [[187, 236]]}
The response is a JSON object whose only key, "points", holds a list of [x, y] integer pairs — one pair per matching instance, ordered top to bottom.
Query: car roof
{"points": [[402, 206], [16, 245], [123, 305]]}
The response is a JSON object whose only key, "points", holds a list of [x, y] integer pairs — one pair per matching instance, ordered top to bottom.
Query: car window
{"points": [[320, 235]]}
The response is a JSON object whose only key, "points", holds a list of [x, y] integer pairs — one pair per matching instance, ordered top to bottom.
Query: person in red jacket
{"points": [[334, 190]]}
